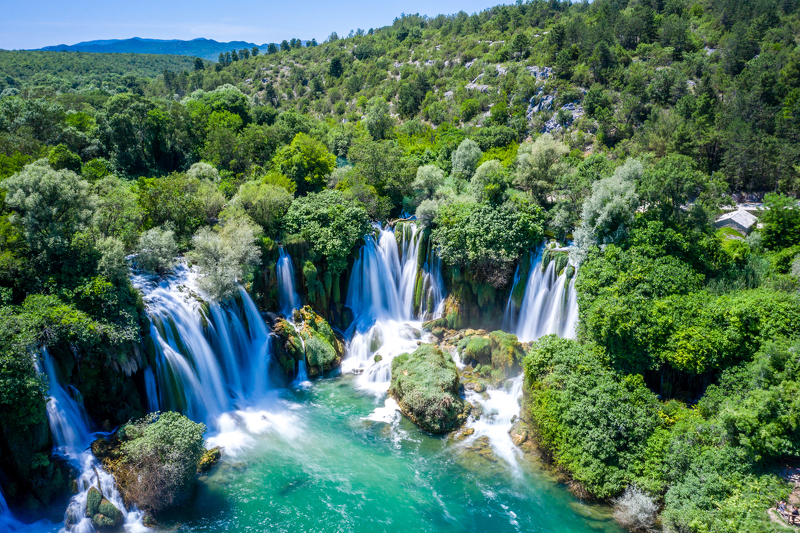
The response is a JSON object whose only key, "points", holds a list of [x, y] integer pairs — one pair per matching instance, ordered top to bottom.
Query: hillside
{"points": [[204, 48], [61, 70]]}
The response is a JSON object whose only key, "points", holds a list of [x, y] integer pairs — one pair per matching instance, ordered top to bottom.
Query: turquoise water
{"points": [[313, 462]]}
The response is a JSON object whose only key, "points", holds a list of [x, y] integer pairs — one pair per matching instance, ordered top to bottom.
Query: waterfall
{"points": [[381, 295], [288, 299], [549, 305], [510, 313], [209, 356], [500, 408], [69, 425]]}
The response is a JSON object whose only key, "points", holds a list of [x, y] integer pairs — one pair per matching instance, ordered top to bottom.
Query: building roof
{"points": [[741, 217]]}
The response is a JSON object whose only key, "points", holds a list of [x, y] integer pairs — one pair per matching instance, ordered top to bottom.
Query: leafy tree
{"points": [[469, 109], [378, 122], [60, 158], [465, 158], [307, 162], [539, 164], [429, 179], [489, 183], [670, 185], [173, 199], [265, 203], [52, 206], [609, 212], [118, 213], [781, 219], [330, 223], [487, 238], [157, 250], [225, 255], [569, 385], [161, 453]]}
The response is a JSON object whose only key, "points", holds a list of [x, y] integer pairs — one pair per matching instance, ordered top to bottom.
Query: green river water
{"points": [[315, 463]]}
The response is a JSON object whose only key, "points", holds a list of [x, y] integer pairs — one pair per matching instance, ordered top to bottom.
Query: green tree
{"points": [[378, 122], [60, 158], [465, 158], [307, 162], [539, 164], [265, 203], [52, 206], [781, 219], [330, 223], [225, 255], [161, 453]]}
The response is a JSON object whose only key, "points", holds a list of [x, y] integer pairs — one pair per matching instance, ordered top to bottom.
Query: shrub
{"points": [[330, 223], [157, 250], [225, 255], [160, 456], [635, 510]]}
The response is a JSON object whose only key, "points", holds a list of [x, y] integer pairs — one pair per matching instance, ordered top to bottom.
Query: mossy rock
{"points": [[453, 312], [430, 325], [311, 339], [476, 348], [507, 353], [425, 384], [209, 459], [93, 499], [107, 516]]}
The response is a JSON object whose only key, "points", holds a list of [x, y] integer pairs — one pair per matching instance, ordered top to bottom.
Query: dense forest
{"points": [[621, 129]]}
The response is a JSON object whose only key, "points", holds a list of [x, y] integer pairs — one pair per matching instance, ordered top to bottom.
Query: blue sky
{"points": [[38, 23]]}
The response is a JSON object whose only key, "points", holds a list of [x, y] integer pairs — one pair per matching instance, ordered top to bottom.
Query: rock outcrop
{"points": [[309, 339], [426, 386]]}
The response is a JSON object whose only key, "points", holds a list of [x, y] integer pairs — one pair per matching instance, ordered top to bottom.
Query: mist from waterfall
{"points": [[381, 296], [549, 305]]}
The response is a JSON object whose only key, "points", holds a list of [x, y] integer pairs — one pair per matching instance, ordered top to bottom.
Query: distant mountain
{"points": [[205, 48]]}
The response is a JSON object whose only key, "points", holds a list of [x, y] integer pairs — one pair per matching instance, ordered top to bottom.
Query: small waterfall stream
{"points": [[381, 296], [288, 299], [549, 305], [69, 426]]}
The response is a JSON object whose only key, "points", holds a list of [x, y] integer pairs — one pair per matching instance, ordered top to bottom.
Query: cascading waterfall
{"points": [[381, 296], [288, 299], [549, 305], [209, 357], [500, 407], [69, 426]]}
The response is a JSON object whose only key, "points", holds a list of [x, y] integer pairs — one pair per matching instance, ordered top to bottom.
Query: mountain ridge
{"points": [[199, 47]]}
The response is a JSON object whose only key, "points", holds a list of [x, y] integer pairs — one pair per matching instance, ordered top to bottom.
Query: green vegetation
{"points": [[425, 385], [159, 456]]}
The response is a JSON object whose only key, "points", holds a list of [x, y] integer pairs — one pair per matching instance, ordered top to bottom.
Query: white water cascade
{"points": [[381, 296], [288, 299], [549, 305], [207, 361], [500, 409], [69, 426]]}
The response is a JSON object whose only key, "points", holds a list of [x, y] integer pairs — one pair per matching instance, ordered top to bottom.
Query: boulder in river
{"points": [[310, 338], [425, 384]]}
